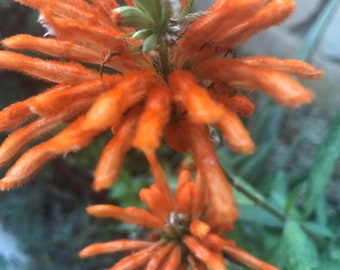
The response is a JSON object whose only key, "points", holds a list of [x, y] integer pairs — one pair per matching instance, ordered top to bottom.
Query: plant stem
{"points": [[164, 58], [260, 200]]}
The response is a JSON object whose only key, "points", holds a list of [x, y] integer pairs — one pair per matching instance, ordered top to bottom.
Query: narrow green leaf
{"points": [[323, 166], [279, 189], [319, 229], [296, 248]]}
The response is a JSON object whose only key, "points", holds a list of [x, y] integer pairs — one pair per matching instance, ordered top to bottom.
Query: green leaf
{"points": [[323, 166], [279, 189], [256, 214], [319, 229], [296, 250]]}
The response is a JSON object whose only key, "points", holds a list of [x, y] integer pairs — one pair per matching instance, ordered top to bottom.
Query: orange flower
{"points": [[180, 79], [183, 232]]}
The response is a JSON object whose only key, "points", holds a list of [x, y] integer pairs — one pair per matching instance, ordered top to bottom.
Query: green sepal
{"points": [[134, 17], [142, 34], [150, 43]]}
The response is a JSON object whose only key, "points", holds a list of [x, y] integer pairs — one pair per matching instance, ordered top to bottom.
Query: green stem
{"points": [[164, 59], [259, 200]]}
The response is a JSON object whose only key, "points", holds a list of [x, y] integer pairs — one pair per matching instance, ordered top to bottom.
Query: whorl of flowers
{"points": [[178, 73], [182, 231]]}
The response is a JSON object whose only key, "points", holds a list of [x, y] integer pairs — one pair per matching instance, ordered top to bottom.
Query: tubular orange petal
{"points": [[271, 14], [221, 18], [105, 38], [53, 47], [292, 66], [53, 71], [278, 85], [53, 102], [238, 103], [200, 106], [109, 107], [14, 115], [153, 119], [235, 134], [16, 141], [112, 156], [26, 166], [183, 178], [160, 179], [153, 198], [184, 198], [223, 211], [130, 215], [199, 229], [214, 242], [112, 246], [204, 254], [159, 256], [137, 259], [174, 259], [247, 259], [195, 264]]}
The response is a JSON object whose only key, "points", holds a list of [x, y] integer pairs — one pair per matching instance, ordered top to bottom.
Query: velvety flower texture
{"points": [[181, 78], [182, 231]]}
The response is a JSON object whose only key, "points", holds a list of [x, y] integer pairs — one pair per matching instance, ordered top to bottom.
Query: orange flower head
{"points": [[160, 69], [183, 231]]}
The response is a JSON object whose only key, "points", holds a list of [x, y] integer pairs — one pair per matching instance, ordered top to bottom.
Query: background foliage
{"points": [[289, 215]]}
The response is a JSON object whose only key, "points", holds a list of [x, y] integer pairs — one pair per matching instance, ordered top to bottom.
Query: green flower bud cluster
{"points": [[155, 21]]}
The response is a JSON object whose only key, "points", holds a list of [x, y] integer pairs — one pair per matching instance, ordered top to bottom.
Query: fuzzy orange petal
{"points": [[271, 14], [221, 18], [109, 39], [54, 47], [292, 66], [53, 71], [277, 84], [53, 102], [200, 106], [14, 115], [153, 119], [234, 133], [16, 141], [112, 156], [160, 179], [153, 198], [184, 198], [223, 211], [130, 215], [199, 229], [214, 242], [112, 246], [201, 252], [159, 256], [137, 259], [174, 259], [247, 259], [195, 264]]}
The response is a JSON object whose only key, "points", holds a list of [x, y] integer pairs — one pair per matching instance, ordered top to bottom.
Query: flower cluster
{"points": [[160, 71], [183, 233]]}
